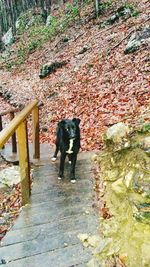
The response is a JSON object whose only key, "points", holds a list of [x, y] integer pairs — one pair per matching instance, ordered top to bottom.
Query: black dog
{"points": [[68, 142]]}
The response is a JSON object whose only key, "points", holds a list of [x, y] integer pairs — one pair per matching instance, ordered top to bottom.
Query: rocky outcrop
{"points": [[123, 12], [27, 20], [49, 20], [8, 38], [137, 40], [51, 67], [117, 132], [9, 176], [124, 179]]}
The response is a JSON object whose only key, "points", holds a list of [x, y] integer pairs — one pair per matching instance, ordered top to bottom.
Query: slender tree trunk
{"points": [[97, 3], [48, 6], [4, 13], [12, 16]]}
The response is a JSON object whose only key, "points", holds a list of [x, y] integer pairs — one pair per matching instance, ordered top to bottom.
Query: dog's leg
{"points": [[56, 152], [69, 158], [62, 164], [72, 169]]}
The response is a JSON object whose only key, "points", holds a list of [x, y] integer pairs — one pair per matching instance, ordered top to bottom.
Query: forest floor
{"points": [[101, 86]]}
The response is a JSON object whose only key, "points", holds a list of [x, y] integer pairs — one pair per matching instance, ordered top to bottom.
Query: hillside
{"points": [[100, 84]]}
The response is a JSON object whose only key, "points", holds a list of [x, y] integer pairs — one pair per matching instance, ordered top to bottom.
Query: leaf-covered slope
{"points": [[100, 86]]}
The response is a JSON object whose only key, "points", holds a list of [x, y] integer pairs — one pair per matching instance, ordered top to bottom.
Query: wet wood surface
{"points": [[46, 232]]}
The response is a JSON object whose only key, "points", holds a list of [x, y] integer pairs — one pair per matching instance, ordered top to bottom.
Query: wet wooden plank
{"points": [[76, 223], [46, 232], [68, 257]]}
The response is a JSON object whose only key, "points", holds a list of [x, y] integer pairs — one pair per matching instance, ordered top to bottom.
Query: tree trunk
{"points": [[48, 6], [97, 10], [12, 17]]}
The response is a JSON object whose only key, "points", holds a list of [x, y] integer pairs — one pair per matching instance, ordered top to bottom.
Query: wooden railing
{"points": [[11, 113], [19, 125]]}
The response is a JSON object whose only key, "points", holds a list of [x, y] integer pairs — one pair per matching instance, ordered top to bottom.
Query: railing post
{"points": [[36, 142], [14, 143], [24, 161]]}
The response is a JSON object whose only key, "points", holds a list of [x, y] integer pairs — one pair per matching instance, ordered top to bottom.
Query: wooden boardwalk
{"points": [[45, 234]]}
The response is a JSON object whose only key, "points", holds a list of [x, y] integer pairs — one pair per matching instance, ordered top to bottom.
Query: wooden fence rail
{"points": [[11, 113], [19, 125]]}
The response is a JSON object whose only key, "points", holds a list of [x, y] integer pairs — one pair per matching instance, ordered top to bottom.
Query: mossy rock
{"points": [[123, 12], [27, 20], [8, 38], [138, 39], [49, 68], [116, 135], [125, 183], [143, 217]]}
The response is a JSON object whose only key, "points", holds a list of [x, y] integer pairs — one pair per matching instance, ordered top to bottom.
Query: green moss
{"points": [[146, 128]]}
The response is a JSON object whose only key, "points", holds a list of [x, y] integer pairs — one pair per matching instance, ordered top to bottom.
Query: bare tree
{"points": [[97, 4], [48, 6], [12, 15]]}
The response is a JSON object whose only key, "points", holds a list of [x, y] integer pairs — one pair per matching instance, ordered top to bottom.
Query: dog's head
{"points": [[70, 127]]}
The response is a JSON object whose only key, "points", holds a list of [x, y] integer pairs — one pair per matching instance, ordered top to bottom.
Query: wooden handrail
{"points": [[11, 112], [19, 125], [6, 133]]}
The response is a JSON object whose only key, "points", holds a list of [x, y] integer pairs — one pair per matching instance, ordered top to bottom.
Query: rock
{"points": [[124, 11], [28, 19], [112, 19], [49, 20], [18, 24], [8, 37], [65, 39], [138, 39], [83, 50], [50, 68], [7, 95], [40, 104], [44, 129], [117, 132], [145, 143], [112, 174], [9, 176], [128, 178], [125, 180], [141, 184], [118, 187], [143, 216], [2, 221], [83, 237], [94, 240], [103, 245], [145, 254], [3, 261], [94, 263]]}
